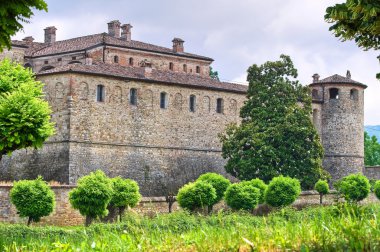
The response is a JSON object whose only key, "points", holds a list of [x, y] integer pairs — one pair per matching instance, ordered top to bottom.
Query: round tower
{"points": [[338, 114]]}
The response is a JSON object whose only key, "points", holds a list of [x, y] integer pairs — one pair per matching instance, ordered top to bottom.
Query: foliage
{"points": [[12, 13], [358, 21], [214, 74], [24, 115], [276, 136], [371, 150], [217, 181], [259, 184], [322, 187], [354, 187], [376, 189], [282, 191], [125, 192], [92, 195], [196, 195], [242, 196], [33, 199]]}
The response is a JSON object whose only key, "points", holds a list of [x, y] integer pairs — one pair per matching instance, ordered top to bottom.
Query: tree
{"points": [[12, 13], [358, 21], [214, 74], [24, 115], [276, 135], [371, 150], [322, 187], [354, 187], [282, 191], [92, 195], [195, 195], [242, 196], [33, 199]]}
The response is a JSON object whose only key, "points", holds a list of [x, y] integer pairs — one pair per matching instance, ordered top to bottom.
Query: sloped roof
{"points": [[81, 43], [137, 73], [337, 79]]}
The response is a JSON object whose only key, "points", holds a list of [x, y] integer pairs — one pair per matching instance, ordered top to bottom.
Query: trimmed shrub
{"points": [[219, 183], [259, 184], [322, 187], [354, 187], [376, 189], [282, 191], [92, 195], [196, 195], [242, 196], [33, 199]]}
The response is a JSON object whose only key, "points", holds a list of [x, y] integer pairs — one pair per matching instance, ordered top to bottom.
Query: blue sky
{"points": [[236, 34]]}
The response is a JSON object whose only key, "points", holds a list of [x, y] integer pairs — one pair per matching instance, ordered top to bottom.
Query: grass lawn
{"points": [[332, 228]]}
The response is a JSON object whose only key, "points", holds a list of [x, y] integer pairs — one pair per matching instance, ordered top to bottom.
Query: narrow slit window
{"points": [[116, 59], [131, 61], [171, 66], [184, 67], [198, 69], [100, 93], [334, 93], [133, 96], [163, 100], [192, 103], [219, 106]]}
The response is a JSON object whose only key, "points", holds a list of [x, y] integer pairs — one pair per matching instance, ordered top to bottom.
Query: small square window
{"points": [[73, 58], [59, 59], [46, 62]]}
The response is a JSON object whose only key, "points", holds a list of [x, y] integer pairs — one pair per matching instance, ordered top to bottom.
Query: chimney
{"points": [[114, 28], [126, 32], [50, 34], [28, 39], [178, 45], [147, 68], [348, 74], [315, 77]]}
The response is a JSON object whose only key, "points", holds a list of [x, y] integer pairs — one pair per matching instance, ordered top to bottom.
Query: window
{"points": [[73, 58], [59, 59], [116, 59], [131, 61], [46, 62], [171, 66], [184, 67], [198, 69], [100, 93], [334, 93], [354, 94], [133, 96], [163, 100], [192, 103], [219, 105]]}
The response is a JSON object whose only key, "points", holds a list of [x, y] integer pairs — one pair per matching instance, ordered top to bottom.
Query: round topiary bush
{"points": [[217, 181], [259, 184], [354, 187], [376, 189], [282, 191], [92, 195], [196, 195], [242, 196], [33, 199]]}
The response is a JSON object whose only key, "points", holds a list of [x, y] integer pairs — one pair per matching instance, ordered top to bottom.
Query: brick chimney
{"points": [[114, 28], [126, 32], [50, 34], [28, 39], [178, 45], [147, 65], [348, 74], [315, 77]]}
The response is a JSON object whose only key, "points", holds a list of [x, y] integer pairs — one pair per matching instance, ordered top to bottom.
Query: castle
{"points": [[153, 114]]}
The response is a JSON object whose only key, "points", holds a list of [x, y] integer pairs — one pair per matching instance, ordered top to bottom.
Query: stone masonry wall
{"points": [[372, 172]]}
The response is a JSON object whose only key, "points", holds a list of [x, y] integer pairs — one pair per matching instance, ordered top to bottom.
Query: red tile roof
{"points": [[337, 79]]}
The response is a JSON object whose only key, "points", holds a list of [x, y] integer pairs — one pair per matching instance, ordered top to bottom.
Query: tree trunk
{"points": [[320, 198], [170, 206], [121, 212], [29, 220], [88, 221]]}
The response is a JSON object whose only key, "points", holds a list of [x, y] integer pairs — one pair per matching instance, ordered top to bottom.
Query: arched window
{"points": [[116, 59], [131, 61], [28, 65], [171, 66], [184, 67], [198, 69], [100, 93], [334, 93], [314, 94], [354, 94], [133, 96], [163, 100], [192, 103], [219, 105]]}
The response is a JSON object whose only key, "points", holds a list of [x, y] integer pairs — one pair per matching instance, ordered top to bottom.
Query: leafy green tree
{"points": [[12, 14], [356, 20], [214, 74], [24, 115], [276, 135], [371, 150], [219, 183], [322, 187], [354, 187], [282, 191], [92, 195], [195, 195], [242, 196], [33, 199]]}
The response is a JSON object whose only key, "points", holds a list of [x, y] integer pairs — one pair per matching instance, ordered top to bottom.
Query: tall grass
{"points": [[333, 228]]}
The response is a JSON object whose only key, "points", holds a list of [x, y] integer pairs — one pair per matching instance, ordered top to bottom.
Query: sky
{"points": [[235, 33]]}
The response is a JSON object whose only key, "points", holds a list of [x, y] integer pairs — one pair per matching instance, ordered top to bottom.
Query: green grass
{"points": [[333, 228]]}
